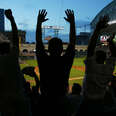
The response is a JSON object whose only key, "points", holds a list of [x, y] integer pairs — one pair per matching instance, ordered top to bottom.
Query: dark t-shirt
{"points": [[54, 72]]}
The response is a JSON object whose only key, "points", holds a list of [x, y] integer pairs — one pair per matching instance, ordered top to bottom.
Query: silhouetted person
{"points": [[55, 67], [30, 71], [98, 73], [113, 85], [76, 89], [34, 92], [75, 97], [110, 98], [13, 99]]}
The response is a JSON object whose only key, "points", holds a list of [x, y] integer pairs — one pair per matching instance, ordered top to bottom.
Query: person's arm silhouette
{"points": [[72, 36], [15, 39], [93, 40], [40, 50], [30, 71], [16, 91]]}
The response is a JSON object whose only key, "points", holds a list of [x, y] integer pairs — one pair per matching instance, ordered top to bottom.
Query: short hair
{"points": [[55, 41], [55, 45]]}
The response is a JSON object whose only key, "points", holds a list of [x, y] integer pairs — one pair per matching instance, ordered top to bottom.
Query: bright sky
{"points": [[26, 11]]}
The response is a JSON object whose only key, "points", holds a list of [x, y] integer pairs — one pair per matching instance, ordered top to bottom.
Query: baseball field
{"points": [[76, 74]]}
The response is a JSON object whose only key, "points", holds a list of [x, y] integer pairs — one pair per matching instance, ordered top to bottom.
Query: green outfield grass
{"points": [[79, 61], [76, 73], [73, 74], [76, 81]]}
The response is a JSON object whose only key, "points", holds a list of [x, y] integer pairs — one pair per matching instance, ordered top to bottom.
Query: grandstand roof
{"points": [[109, 10]]}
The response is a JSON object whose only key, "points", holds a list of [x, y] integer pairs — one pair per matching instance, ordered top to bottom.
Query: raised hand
{"points": [[8, 14], [41, 16], [70, 16], [103, 22], [72, 34], [15, 38]]}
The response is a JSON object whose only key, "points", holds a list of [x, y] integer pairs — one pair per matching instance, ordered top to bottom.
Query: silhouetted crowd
{"points": [[50, 95]]}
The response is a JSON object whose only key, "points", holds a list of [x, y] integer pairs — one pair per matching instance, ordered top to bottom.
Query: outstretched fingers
{"points": [[43, 12], [69, 12], [42, 15], [70, 15]]}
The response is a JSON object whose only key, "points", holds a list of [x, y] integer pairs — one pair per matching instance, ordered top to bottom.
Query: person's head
{"points": [[55, 47], [100, 56], [76, 89], [35, 90]]}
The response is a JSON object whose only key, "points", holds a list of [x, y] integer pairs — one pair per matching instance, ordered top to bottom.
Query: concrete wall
{"points": [[79, 50]]}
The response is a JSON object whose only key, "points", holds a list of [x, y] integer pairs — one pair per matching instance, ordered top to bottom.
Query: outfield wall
{"points": [[29, 50]]}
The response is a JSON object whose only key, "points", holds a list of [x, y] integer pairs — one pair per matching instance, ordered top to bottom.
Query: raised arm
{"points": [[72, 36], [15, 38], [93, 40], [39, 44]]}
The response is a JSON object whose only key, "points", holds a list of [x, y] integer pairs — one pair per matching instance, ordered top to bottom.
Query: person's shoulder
{"points": [[69, 52], [40, 55], [111, 58]]}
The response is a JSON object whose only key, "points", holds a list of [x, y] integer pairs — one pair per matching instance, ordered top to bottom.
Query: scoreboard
{"points": [[104, 38]]}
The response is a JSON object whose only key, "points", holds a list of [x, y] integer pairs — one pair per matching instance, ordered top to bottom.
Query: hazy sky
{"points": [[26, 11]]}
